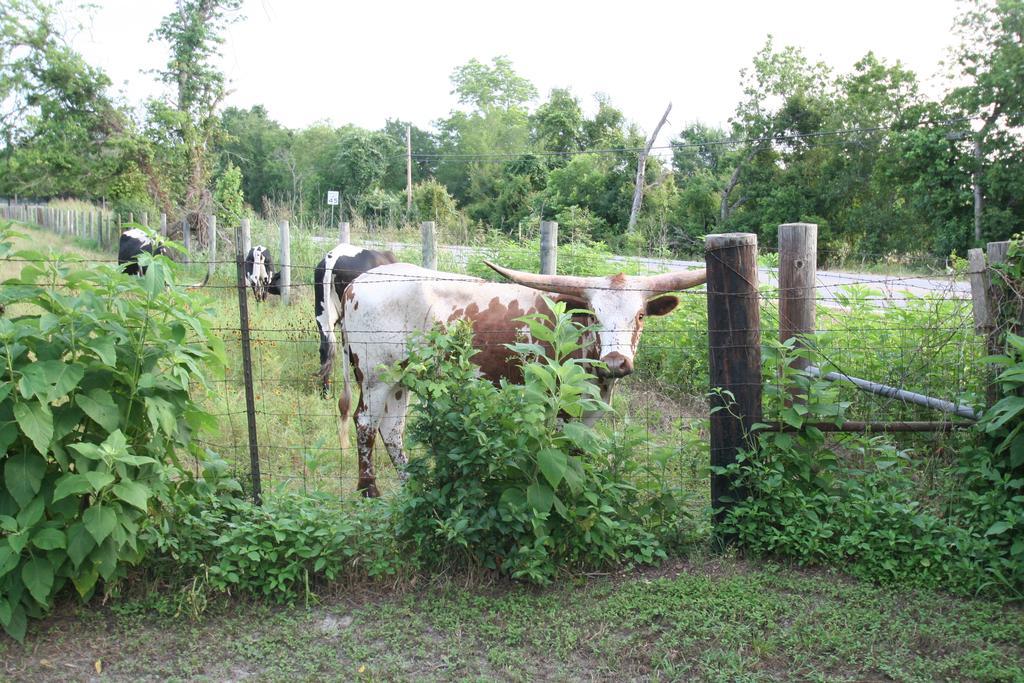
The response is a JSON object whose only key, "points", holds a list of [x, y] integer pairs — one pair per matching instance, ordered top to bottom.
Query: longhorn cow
{"points": [[132, 243], [332, 275], [383, 307]]}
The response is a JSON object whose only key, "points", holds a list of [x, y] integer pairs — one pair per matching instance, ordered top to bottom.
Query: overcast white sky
{"points": [[364, 62]]}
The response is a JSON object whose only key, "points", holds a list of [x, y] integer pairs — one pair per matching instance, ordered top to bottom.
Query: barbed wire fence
{"points": [[906, 332]]}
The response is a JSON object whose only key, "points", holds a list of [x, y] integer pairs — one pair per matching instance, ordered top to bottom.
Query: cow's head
{"points": [[619, 302]]}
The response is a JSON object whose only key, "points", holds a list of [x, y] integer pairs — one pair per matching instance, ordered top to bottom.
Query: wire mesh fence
{"points": [[908, 330]]}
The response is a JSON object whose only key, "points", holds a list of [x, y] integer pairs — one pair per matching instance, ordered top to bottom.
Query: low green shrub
{"points": [[97, 371], [505, 484], [861, 507], [281, 550]]}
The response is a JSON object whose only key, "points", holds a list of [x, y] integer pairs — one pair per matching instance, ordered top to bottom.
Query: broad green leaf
{"points": [[104, 348], [49, 380], [5, 389], [99, 405], [161, 415], [36, 421], [8, 435], [581, 436], [89, 450], [552, 463], [23, 476], [98, 480], [71, 484], [133, 493], [540, 497], [31, 513], [100, 520], [7, 523], [998, 528], [49, 539], [18, 541], [80, 543], [8, 560], [37, 575], [85, 582], [17, 624]]}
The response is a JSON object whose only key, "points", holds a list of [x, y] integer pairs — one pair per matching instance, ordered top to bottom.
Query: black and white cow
{"points": [[132, 243], [259, 273], [332, 275]]}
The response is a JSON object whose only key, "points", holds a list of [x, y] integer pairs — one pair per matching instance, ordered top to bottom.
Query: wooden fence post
{"points": [[145, 218], [163, 224], [344, 232], [186, 238], [246, 238], [429, 245], [548, 247], [211, 252], [286, 264], [798, 270], [734, 345], [250, 404]]}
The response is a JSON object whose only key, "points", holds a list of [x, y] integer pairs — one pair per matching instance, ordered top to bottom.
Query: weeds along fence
{"points": [[909, 332]]}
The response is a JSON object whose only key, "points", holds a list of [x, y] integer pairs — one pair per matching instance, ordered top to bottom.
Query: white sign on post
{"points": [[332, 197]]}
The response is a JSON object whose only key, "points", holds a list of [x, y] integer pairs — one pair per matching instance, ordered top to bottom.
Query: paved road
{"points": [[892, 288]]}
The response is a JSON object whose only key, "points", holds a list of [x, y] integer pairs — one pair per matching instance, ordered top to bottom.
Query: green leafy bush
{"points": [[95, 375], [505, 485], [861, 506], [281, 550]]}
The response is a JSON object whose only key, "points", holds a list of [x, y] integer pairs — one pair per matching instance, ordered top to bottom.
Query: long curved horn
{"points": [[670, 282], [562, 284]]}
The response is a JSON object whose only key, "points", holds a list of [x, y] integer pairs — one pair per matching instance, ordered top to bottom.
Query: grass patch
{"points": [[715, 618]]}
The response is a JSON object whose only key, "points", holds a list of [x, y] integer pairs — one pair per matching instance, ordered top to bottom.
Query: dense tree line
{"points": [[879, 166]]}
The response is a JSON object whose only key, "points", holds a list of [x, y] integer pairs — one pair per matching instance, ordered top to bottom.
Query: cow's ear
{"points": [[663, 305]]}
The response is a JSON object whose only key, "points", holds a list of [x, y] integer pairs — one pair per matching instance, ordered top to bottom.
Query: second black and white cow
{"points": [[132, 243], [259, 273], [332, 275]]}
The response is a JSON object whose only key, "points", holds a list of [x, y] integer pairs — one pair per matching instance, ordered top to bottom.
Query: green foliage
{"points": [[228, 197], [96, 378], [504, 484], [858, 504], [279, 551]]}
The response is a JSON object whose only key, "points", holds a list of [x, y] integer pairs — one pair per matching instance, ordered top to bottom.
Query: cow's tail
{"points": [[344, 403]]}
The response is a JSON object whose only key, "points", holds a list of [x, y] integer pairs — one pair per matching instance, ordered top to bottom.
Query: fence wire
{"points": [[909, 331]]}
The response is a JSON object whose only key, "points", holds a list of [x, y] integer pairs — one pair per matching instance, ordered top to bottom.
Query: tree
{"points": [[193, 34], [991, 57], [557, 126], [61, 132], [259, 147]]}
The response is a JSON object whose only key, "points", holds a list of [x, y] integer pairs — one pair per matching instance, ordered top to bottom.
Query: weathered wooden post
{"points": [[131, 216], [145, 218], [163, 224], [344, 233], [246, 237], [186, 238], [429, 245], [548, 247], [211, 254], [286, 264], [798, 269], [985, 297], [734, 345], [250, 404]]}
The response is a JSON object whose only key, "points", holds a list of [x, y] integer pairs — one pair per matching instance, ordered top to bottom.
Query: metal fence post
{"points": [[734, 346], [250, 403]]}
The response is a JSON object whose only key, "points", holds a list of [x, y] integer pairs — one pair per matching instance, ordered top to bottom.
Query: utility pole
{"points": [[408, 168]]}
